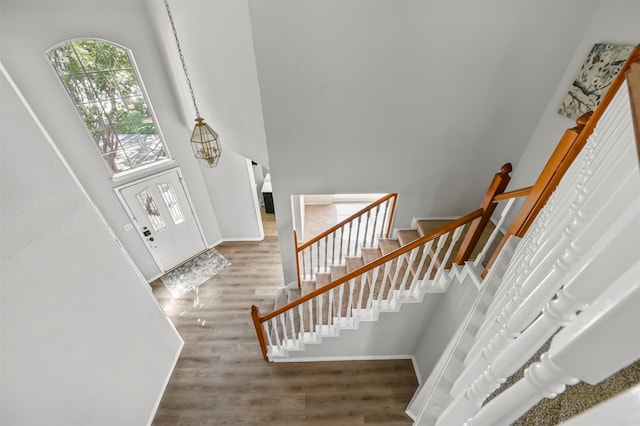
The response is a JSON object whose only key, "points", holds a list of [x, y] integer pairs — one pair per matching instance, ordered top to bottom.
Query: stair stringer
{"points": [[402, 322], [358, 337]]}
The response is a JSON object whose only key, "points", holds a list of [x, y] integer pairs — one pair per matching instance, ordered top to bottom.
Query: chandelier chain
{"points": [[184, 65]]}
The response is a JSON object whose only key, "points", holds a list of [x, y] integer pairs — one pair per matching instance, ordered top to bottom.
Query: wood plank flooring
{"points": [[268, 222], [221, 378]]}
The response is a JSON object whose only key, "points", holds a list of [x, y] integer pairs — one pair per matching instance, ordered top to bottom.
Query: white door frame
{"points": [[124, 204]]}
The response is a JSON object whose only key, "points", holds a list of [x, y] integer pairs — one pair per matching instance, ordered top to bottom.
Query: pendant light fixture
{"points": [[204, 140]]}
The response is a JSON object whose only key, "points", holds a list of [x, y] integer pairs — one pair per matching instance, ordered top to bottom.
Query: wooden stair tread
{"points": [[427, 226], [406, 236], [387, 245], [371, 254], [354, 263], [338, 271], [322, 279], [307, 287], [293, 294], [281, 299], [309, 307]]}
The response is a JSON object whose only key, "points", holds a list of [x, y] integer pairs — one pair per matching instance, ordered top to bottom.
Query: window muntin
{"points": [[102, 83], [171, 201]]}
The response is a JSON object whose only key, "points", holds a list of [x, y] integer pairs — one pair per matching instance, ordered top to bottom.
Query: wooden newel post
{"points": [[571, 143], [497, 186], [295, 243], [255, 315]]}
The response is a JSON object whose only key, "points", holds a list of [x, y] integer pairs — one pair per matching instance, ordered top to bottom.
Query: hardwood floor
{"points": [[268, 222], [221, 378]]}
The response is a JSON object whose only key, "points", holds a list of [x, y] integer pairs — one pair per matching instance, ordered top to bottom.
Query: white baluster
{"points": [[602, 184], [582, 227], [584, 230], [496, 231], [426, 248], [434, 257], [412, 258], [445, 259], [537, 265], [385, 271], [512, 279], [394, 281], [363, 286], [372, 287], [487, 291], [350, 301], [319, 302], [330, 310], [339, 310], [558, 313], [301, 315], [283, 322], [275, 329], [312, 329], [267, 331], [294, 337], [582, 350], [543, 379]]}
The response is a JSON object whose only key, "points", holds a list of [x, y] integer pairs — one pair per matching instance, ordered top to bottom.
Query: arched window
{"points": [[103, 84]]}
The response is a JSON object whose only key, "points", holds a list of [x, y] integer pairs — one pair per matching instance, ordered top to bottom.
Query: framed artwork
{"points": [[593, 79]]}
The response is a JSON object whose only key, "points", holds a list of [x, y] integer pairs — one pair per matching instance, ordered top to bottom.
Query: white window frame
{"points": [[134, 170]]}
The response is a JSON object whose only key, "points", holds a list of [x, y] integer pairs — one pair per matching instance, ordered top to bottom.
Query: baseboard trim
{"points": [[414, 221], [241, 239], [220, 241], [155, 277], [347, 358], [416, 370], [166, 381]]}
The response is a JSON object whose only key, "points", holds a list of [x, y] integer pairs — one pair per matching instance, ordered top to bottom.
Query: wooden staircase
{"points": [[563, 273], [374, 287]]}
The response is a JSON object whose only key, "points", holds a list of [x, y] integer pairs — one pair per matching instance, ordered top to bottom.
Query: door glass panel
{"points": [[169, 197], [151, 209]]}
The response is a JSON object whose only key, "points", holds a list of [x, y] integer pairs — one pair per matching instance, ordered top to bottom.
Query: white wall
{"points": [[614, 22], [131, 24], [216, 40], [427, 99], [258, 177], [236, 206], [442, 325], [418, 330], [394, 334], [83, 340]]}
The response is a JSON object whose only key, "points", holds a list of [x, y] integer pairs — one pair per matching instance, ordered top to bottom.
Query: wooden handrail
{"points": [[633, 86], [563, 156], [497, 186], [513, 194], [349, 219], [381, 260]]}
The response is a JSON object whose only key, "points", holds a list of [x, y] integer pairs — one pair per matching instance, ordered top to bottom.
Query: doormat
{"points": [[193, 273]]}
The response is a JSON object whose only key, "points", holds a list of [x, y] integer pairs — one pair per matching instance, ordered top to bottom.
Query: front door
{"points": [[161, 212]]}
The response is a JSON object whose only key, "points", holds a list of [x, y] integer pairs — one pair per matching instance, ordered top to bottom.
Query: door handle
{"points": [[146, 233]]}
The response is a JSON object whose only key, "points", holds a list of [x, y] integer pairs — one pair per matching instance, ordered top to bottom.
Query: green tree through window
{"points": [[104, 87]]}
